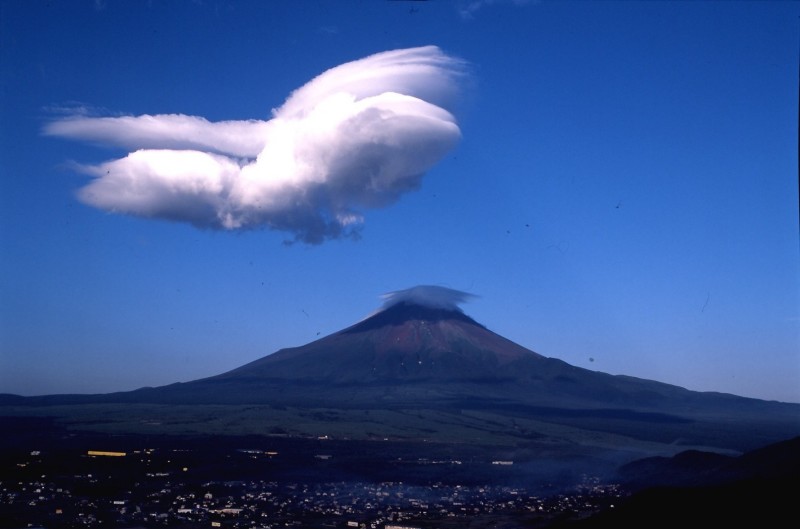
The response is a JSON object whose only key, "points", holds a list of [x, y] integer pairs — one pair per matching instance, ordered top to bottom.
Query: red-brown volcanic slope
{"points": [[404, 341]]}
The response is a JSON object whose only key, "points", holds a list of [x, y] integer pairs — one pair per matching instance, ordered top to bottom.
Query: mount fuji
{"points": [[427, 370]]}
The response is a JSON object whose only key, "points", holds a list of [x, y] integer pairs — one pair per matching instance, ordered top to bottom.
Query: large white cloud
{"points": [[357, 136]]}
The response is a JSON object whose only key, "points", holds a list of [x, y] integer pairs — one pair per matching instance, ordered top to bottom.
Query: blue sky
{"points": [[623, 195]]}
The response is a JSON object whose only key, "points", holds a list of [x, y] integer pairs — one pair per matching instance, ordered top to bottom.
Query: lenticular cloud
{"points": [[357, 136], [432, 296]]}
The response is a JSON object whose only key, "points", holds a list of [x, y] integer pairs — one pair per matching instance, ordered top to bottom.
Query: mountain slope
{"points": [[402, 343], [410, 349], [439, 372]]}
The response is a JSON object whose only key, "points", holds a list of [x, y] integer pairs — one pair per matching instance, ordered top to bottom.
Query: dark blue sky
{"points": [[623, 195]]}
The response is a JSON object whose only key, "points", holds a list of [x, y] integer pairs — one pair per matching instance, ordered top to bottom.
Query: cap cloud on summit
{"points": [[429, 296]]}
